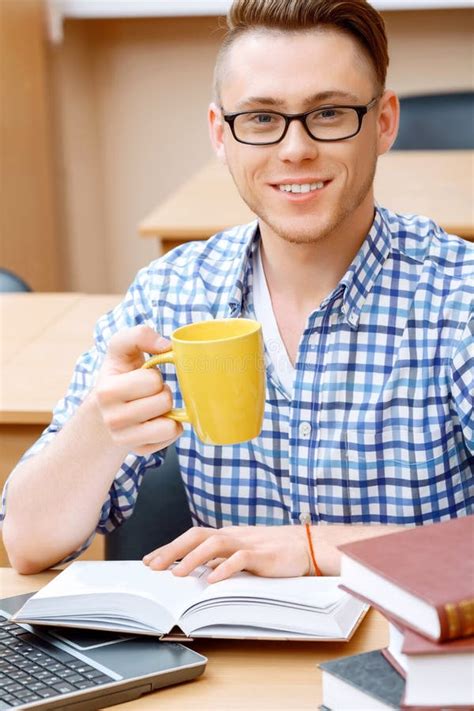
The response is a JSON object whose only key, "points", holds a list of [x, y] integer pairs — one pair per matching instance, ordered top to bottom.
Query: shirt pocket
{"points": [[415, 450]]}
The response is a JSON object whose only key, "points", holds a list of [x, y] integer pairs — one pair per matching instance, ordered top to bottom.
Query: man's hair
{"points": [[354, 17]]}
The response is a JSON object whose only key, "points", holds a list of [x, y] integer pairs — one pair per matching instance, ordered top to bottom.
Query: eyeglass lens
{"points": [[332, 123]]}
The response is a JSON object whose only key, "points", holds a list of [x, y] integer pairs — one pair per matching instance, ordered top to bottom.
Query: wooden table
{"points": [[439, 184], [42, 336], [243, 674]]}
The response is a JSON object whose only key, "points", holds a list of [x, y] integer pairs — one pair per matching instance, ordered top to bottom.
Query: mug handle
{"points": [[178, 414]]}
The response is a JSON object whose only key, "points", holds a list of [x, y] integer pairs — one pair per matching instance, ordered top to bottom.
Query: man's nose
{"points": [[297, 144]]}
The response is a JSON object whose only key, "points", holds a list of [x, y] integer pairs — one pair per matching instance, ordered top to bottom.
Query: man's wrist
{"points": [[91, 412]]}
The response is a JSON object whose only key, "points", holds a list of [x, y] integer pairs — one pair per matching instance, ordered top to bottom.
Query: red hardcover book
{"points": [[422, 577], [393, 653], [438, 674], [404, 707]]}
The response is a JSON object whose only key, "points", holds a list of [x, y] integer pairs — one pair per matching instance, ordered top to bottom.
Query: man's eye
{"points": [[328, 113], [262, 118]]}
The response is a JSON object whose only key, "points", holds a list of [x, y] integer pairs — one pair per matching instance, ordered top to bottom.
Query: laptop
{"points": [[59, 668]]}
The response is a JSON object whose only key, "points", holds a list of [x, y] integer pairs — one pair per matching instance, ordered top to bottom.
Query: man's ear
{"points": [[387, 121], [216, 131]]}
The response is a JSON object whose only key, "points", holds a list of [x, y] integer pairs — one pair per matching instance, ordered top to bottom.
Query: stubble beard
{"points": [[314, 231]]}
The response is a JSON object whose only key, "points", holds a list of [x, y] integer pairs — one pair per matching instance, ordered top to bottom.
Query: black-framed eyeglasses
{"points": [[326, 123]]}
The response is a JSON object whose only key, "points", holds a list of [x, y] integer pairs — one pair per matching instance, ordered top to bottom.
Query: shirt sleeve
{"points": [[135, 309], [463, 382]]}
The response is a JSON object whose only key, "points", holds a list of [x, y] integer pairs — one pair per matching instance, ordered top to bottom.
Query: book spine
{"points": [[456, 619], [391, 660], [405, 707]]}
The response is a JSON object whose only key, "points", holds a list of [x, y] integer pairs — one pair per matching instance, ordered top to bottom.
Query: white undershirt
{"points": [[274, 345]]}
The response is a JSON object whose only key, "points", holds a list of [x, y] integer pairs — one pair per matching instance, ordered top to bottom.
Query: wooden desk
{"points": [[439, 184], [42, 336], [243, 675]]}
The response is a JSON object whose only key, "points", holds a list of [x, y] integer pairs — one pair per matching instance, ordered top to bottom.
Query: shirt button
{"points": [[304, 430]]}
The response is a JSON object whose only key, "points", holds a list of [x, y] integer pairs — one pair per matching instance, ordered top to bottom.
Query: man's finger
{"points": [[126, 348], [134, 385], [128, 414], [161, 429], [147, 449], [213, 547], [162, 557], [240, 560], [214, 562]]}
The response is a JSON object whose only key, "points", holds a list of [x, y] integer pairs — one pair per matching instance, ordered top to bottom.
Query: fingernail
{"points": [[163, 343], [155, 561]]}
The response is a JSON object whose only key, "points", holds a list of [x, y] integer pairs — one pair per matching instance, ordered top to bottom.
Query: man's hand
{"points": [[132, 401], [271, 551]]}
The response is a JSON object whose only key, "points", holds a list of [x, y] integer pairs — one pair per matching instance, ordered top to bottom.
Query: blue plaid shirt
{"points": [[379, 427]]}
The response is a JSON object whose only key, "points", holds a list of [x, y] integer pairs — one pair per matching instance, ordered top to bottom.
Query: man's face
{"points": [[292, 73]]}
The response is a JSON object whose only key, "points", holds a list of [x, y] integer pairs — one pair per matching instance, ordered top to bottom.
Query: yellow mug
{"points": [[221, 375]]}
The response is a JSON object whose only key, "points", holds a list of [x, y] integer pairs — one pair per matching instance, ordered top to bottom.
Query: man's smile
{"points": [[300, 190]]}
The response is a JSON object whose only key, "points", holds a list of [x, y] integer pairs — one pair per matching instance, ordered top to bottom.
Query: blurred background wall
{"points": [[97, 130], [28, 219]]}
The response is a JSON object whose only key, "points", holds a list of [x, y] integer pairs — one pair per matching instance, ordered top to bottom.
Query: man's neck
{"points": [[304, 274], [300, 276]]}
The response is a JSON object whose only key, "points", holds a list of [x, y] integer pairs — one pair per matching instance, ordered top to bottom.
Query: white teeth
{"points": [[300, 188]]}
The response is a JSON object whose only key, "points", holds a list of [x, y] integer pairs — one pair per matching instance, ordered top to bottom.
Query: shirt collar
{"points": [[364, 270], [241, 281], [357, 282]]}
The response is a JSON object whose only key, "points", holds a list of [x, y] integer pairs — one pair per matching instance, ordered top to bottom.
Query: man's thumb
{"points": [[128, 346]]}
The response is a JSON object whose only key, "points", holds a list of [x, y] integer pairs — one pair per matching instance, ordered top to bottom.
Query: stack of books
{"points": [[422, 580]]}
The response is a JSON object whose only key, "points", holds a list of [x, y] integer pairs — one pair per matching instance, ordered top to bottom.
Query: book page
{"points": [[96, 578], [320, 593], [312, 606]]}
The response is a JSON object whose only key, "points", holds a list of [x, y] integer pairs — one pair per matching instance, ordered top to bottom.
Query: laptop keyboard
{"points": [[32, 670]]}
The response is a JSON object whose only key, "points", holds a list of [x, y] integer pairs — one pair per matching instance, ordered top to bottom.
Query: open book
{"points": [[126, 596]]}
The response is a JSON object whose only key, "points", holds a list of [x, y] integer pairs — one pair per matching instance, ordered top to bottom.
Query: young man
{"points": [[367, 320]]}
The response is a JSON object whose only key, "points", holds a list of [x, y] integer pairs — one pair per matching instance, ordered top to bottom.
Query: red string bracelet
{"points": [[311, 549]]}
